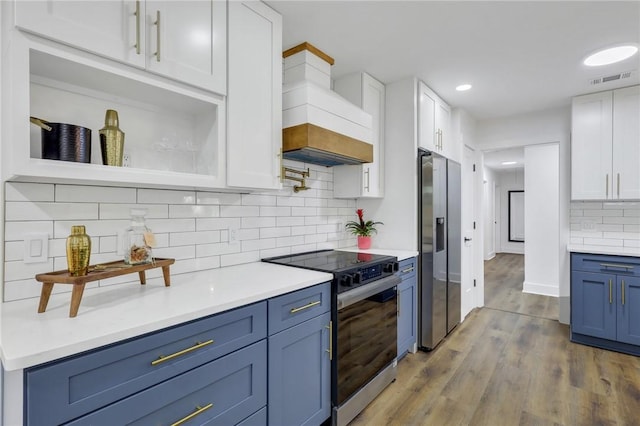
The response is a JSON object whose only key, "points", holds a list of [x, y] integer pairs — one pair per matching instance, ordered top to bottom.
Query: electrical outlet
{"points": [[126, 160], [588, 225], [233, 235]]}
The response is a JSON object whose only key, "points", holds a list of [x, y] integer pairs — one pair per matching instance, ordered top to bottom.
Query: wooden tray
{"points": [[96, 272]]}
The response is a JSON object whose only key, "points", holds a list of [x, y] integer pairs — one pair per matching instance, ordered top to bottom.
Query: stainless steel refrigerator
{"points": [[439, 241]]}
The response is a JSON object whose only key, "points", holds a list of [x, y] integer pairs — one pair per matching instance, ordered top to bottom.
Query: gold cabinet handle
{"points": [[137, 15], [157, 24], [366, 185], [618, 185], [617, 265], [404, 271], [622, 287], [610, 291], [398, 301], [307, 306], [197, 346], [330, 350], [199, 410]]}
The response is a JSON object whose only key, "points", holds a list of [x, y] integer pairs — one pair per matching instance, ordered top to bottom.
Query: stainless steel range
{"points": [[364, 312]]}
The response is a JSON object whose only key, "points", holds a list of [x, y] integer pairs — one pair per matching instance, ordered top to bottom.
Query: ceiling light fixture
{"points": [[611, 55], [463, 87], [509, 163]]}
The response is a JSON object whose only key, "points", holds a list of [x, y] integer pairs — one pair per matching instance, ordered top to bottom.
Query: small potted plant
{"points": [[363, 229]]}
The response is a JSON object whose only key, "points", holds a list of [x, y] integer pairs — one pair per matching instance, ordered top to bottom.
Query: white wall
{"points": [[553, 125], [508, 180], [542, 197], [489, 214], [190, 226]]}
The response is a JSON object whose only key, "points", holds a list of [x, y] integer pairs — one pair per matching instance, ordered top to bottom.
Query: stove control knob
{"points": [[391, 267], [357, 278], [346, 280]]}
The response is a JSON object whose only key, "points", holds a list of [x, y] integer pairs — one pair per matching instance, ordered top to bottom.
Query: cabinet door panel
{"points": [[106, 28], [191, 41], [373, 94], [426, 118], [443, 120], [254, 130], [626, 143], [591, 147], [593, 304], [629, 310], [407, 321], [299, 374]]}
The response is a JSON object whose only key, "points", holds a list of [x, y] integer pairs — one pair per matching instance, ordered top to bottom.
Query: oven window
{"points": [[367, 341]]}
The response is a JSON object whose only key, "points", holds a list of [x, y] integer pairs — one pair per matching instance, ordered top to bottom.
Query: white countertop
{"points": [[616, 251], [400, 254], [113, 313]]}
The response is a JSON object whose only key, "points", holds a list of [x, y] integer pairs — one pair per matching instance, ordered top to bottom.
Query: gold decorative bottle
{"points": [[111, 140], [78, 251]]}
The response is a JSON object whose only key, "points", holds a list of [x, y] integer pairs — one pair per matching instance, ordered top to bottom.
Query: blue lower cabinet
{"points": [[593, 304], [629, 310], [407, 321], [299, 374], [221, 392], [256, 419]]}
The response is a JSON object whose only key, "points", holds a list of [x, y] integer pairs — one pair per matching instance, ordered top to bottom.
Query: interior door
{"points": [[468, 293]]}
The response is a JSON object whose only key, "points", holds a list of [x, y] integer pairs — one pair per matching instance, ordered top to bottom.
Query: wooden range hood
{"points": [[319, 126]]}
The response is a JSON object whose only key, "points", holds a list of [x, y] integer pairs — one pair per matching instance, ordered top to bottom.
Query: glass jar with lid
{"points": [[138, 240]]}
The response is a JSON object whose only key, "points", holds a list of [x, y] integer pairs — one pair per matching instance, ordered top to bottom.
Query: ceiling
{"points": [[519, 56], [494, 159]]}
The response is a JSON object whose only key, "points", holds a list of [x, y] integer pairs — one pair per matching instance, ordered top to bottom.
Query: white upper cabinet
{"points": [[114, 29], [182, 40], [186, 41], [254, 108], [434, 123], [626, 143], [605, 145], [364, 180]]}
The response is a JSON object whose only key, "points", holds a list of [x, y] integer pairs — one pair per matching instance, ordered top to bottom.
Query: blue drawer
{"points": [[618, 265], [408, 268], [294, 308], [65, 390], [222, 391], [256, 419]]}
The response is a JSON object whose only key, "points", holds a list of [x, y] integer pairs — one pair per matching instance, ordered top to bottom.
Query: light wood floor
{"points": [[510, 368]]}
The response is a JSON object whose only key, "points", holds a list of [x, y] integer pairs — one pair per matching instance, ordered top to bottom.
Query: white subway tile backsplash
{"points": [[19, 191], [94, 194], [165, 196], [219, 198], [258, 200], [20, 211], [123, 211], [189, 211], [239, 211], [275, 211], [632, 212], [576, 213], [602, 213], [626, 220], [258, 222], [214, 224], [190, 226], [631, 228], [15, 231], [275, 232], [621, 235], [192, 238], [576, 240], [603, 242], [632, 243], [239, 258]]}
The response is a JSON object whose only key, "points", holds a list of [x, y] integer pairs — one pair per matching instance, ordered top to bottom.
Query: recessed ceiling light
{"points": [[611, 55], [463, 87], [509, 163]]}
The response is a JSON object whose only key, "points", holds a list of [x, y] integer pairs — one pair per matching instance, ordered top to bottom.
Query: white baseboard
{"points": [[490, 255], [542, 289]]}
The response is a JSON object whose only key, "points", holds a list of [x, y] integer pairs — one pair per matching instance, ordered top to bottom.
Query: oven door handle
{"points": [[353, 296]]}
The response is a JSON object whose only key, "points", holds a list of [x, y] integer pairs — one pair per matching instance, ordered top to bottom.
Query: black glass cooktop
{"points": [[332, 261]]}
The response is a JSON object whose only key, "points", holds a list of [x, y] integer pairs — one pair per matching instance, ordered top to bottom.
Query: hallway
{"points": [[503, 278]]}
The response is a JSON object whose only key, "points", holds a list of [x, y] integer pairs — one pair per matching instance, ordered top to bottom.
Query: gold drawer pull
{"points": [[404, 271], [622, 287], [610, 291], [307, 306], [198, 345], [330, 350], [199, 410]]}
